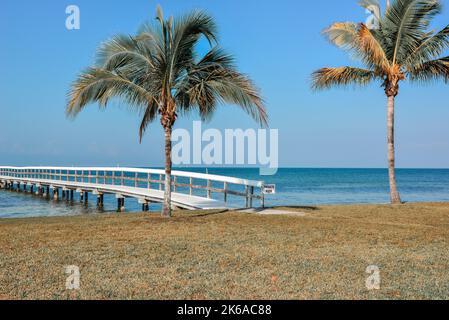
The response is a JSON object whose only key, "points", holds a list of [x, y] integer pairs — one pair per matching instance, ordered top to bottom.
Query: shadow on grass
{"points": [[312, 208], [199, 213]]}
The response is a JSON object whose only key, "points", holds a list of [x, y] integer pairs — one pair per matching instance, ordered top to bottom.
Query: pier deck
{"points": [[130, 183]]}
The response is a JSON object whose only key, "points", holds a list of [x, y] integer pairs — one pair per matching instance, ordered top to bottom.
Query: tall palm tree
{"points": [[400, 48], [158, 72]]}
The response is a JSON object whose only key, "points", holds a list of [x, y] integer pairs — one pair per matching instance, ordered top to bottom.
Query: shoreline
{"points": [[284, 208]]}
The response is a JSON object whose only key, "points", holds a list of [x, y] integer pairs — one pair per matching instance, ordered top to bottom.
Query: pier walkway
{"points": [[190, 190]]}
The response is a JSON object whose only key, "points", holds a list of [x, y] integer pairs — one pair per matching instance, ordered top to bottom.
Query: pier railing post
{"points": [[225, 191], [209, 192], [251, 194], [262, 197]]}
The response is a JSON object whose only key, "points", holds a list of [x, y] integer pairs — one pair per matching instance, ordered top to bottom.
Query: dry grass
{"points": [[322, 255]]}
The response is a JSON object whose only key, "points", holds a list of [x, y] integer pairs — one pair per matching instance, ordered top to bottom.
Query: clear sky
{"points": [[278, 43]]}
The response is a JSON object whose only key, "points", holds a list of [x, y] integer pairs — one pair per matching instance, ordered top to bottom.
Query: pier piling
{"points": [[55, 193], [100, 200], [120, 203]]}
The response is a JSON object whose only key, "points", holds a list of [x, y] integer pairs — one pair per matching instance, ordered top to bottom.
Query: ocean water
{"points": [[294, 187]]}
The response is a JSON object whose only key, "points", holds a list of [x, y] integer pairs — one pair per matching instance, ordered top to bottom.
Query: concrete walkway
{"points": [[274, 212]]}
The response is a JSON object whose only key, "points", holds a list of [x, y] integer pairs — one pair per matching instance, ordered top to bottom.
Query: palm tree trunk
{"points": [[394, 194], [166, 207]]}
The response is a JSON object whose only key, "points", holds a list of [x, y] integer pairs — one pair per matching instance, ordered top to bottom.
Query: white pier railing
{"points": [[191, 190]]}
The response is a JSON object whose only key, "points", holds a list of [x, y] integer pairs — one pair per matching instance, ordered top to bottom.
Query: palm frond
{"points": [[372, 6], [405, 22], [193, 24], [187, 31], [342, 34], [152, 35], [359, 40], [430, 48], [370, 49], [111, 53], [129, 57], [431, 71], [326, 78], [213, 81], [99, 85], [149, 115]]}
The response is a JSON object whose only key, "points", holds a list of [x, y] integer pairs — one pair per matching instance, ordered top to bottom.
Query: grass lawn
{"points": [[320, 255]]}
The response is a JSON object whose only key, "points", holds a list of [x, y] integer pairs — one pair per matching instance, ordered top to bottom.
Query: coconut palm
{"points": [[400, 48], [159, 73]]}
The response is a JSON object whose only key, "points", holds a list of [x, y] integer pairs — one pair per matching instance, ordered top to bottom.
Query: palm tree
{"points": [[400, 48], [158, 72]]}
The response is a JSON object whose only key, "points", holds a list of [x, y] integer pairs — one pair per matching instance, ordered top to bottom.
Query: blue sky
{"points": [[278, 43]]}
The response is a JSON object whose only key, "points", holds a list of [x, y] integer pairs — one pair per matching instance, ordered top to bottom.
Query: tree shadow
{"points": [[296, 208], [313, 208], [185, 214]]}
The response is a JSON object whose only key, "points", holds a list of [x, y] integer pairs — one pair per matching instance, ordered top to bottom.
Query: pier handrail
{"points": [[83, 173]]}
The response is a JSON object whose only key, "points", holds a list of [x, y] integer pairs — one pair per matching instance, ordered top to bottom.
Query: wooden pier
{"points": [[145, 185]]}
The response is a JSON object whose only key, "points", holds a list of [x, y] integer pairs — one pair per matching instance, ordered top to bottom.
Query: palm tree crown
{"points": [[400, 48], [158, 72]]}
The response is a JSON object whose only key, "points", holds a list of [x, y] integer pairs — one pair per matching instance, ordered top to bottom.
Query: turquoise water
{"points": [[294, 187]]}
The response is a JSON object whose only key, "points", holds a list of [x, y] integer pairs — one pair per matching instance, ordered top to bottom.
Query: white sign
{"points": [[269, 189]]}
